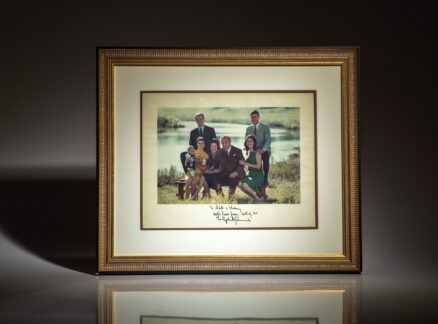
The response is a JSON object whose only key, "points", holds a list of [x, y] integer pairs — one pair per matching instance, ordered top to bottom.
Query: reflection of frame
{"points": [[299, 214], [228, 301]]}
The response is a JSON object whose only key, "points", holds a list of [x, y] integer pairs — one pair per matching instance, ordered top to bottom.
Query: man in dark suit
{"points": [[208, 133], [232, 170]]}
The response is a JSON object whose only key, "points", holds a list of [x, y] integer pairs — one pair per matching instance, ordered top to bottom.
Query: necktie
{"points": [[255, 130], [200, 131]]}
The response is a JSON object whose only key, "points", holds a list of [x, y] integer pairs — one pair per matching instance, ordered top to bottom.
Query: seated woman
{"points": [[201, 158], [213, 170], [254, 180]]}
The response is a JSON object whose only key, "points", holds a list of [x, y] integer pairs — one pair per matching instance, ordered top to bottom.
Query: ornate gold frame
{"points": [[345, 58]]}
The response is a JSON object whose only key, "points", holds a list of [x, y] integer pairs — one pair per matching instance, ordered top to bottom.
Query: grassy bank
{"points": [[164, 122], [288, 170], [168, 176], [284, 185], [280, 192]]}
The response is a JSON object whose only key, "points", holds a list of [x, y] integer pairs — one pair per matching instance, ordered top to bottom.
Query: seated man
{"points": [[232, 170]]}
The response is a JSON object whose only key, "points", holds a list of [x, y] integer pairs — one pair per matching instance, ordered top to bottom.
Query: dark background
{"points": [[48, 189]]}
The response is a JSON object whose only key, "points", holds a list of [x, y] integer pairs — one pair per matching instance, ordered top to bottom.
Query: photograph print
{"points": [[239, 155]]}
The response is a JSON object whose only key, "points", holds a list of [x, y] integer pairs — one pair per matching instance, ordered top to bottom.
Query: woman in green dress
{"points": [[254, 180]]}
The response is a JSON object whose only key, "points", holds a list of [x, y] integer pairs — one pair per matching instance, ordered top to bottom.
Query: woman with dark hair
{"points": [[213, 169], [254, 180]]}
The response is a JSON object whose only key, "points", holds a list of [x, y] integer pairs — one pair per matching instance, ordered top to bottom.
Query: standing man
{"points": [[204, 131], [208, 133], [262, 133], [231, 170]]}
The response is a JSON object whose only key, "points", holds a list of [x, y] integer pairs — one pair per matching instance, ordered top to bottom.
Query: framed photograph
{"points": [[228, 160], [187, 300]]}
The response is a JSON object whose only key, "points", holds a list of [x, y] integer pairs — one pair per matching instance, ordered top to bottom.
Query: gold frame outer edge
{"points": [[344, 57]]}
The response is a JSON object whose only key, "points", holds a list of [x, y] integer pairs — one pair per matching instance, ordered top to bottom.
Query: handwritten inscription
{"points": [[231, 214]]}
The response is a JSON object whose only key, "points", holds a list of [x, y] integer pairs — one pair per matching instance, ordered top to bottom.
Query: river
{"points": [[175, 140]]}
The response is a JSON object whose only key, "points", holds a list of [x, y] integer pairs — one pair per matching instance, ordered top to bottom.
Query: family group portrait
{"points": [[223, 155]]}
